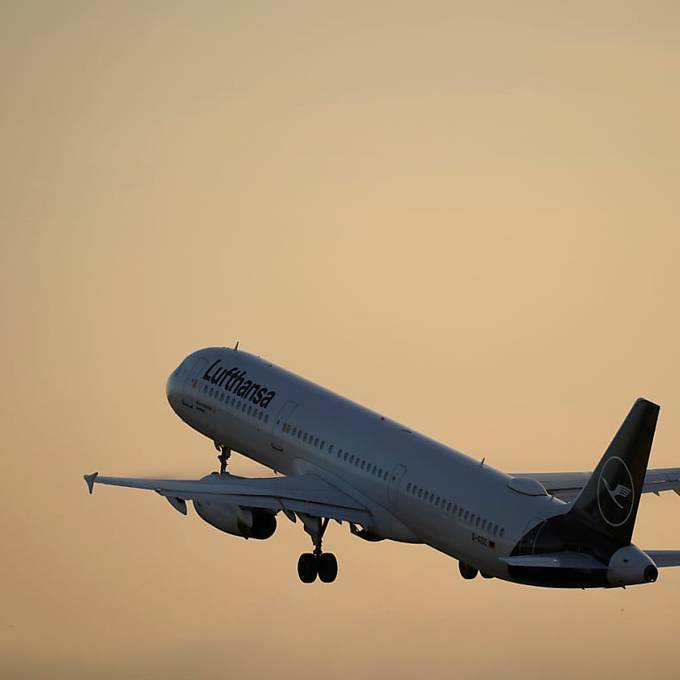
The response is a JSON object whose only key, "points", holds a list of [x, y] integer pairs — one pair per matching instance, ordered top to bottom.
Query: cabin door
{"points": [[193, 374], [282, 421], [395, 481]]}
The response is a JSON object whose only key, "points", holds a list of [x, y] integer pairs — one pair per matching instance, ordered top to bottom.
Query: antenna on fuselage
{"points": [[236, 347]]}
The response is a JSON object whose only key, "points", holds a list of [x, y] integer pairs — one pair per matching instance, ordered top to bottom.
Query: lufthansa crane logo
{"points": [[615, 494]]}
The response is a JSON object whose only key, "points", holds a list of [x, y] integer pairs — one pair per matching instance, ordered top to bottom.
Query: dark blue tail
{"points": [[609, 501]]}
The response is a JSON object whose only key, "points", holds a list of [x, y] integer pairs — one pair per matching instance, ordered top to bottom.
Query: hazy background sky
{"points": [[463, 215]]}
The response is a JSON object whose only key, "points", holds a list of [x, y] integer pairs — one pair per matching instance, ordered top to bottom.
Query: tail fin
{"points": [[609, 501]]}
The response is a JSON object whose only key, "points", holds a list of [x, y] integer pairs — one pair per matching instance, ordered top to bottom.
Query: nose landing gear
{"points": [[225, 454], [317, 563]]}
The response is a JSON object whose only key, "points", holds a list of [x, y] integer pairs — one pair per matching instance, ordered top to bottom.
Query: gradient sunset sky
{"points": [[463, 215]]}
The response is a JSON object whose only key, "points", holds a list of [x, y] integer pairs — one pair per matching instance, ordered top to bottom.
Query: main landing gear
{"points": [[225, 453], [317, 563], [466, 571]]}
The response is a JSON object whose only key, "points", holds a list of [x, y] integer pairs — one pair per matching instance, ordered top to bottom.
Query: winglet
{"points": [[89, 480]]}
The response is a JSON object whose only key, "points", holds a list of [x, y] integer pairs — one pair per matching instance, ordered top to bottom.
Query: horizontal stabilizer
{"points": [[665, 558], [560, 560]]}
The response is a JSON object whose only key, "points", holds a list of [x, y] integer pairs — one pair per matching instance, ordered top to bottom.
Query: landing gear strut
{"points": [[225, 453], [317, 563]]}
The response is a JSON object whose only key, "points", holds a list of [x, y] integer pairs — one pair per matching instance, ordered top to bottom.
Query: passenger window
{"points": [[250, 410], [266, 418], [294, 431], [304, 436], [316, 442], [322, 443], [346, 455], [363, 464], [408, 487], [420, 493], [502, 531]]}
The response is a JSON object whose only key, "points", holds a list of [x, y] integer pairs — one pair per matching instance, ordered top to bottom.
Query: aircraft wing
{"points": [[567, 485], [306, 494], [665, 558]]}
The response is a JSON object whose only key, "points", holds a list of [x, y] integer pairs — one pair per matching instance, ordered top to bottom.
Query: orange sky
{"points": [[462, 215]]}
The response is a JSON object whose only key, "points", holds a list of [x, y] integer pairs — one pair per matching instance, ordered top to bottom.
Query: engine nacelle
{"points": [[237, 521], [629, 565]]}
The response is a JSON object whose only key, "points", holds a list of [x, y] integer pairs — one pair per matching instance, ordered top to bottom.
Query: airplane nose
{"points": [[172, 389]]}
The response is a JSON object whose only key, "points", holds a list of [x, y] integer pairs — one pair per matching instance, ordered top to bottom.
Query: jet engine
{"points": [[237, 521], [629, 565]]}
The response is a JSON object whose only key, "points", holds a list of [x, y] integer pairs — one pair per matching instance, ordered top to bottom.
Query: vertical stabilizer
{"points": [[609, 501]]}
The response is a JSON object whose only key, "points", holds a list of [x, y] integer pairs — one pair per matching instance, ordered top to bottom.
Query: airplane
{"points": [[337, 460]]}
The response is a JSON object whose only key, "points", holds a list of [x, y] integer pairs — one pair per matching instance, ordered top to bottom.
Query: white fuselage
{"points": [[417, 489]]}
